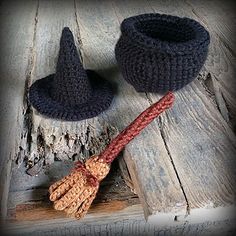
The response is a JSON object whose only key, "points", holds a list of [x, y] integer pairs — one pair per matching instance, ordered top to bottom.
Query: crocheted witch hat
{"points": [[72, 93], [75, 192]]}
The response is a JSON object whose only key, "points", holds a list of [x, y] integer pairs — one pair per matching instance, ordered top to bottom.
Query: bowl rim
{"points": [[201, 39]]}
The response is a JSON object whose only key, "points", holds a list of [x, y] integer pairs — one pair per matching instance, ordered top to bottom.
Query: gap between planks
{"points": [[214, 196]]}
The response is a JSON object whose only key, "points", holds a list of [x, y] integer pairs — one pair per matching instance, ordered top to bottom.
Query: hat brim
{"points": [[39, 96]]}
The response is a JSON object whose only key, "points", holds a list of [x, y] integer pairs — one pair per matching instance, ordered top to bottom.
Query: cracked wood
{"points": [[219, 19], [20, 25], [52, 139], [47, 143], [147, 159], [205, 162]]}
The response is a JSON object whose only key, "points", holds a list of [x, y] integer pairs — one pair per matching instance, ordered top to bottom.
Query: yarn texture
{"points": [[158, 53], [72, 93], [75, 193]]}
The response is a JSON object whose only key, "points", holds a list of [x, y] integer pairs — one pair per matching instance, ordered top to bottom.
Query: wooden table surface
{"points": [[179, 174]]}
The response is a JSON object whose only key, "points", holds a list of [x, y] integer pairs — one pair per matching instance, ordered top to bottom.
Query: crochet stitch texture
{"points": [[157, 53], [72, 93], [75, 192]]}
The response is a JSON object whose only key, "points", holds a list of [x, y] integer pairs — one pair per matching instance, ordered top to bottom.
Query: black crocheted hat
{"points": [[157, 53], [72, 93]]}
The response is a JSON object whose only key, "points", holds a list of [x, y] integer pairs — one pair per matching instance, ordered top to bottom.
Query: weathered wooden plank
{"points": [[220, 17], [17, 22], [220, 62], [60, 138], [52, 140], [200, 142], [207, 145], [149, 164], [126, 174], [24, 196], [37, 212], [128, 221]]}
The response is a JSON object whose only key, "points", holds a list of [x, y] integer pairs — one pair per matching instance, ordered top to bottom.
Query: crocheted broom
{"points": [[75, 193]]}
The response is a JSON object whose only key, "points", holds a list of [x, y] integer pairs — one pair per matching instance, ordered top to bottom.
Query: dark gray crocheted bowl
{"points": [[157, 53]]}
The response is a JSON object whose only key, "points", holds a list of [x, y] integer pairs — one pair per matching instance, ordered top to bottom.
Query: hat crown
{"points": [[71, 85]]}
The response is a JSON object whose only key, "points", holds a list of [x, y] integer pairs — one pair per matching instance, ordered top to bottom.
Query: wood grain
{"points": [[220, 17], [16, 46], [220, 61], [51, 139], [207, 147], [204, 155], [151, 170], [39, 211], [128, 221]]}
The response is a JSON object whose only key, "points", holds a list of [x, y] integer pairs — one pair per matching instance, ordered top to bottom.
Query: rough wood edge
{"points": [[14, 152], [129, 220]]}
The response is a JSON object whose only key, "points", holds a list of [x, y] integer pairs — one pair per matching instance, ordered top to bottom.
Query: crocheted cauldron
{"points": [[157, 53]]}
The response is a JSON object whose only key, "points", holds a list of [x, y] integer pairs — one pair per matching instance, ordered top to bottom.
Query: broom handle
{"points": [[131, 131]]}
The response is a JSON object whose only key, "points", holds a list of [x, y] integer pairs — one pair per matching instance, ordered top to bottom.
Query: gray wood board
{"points": [[220, 17], [17, 31], [221, 60], [202, 111], [50, 139], [148, 162], [132, 224]]}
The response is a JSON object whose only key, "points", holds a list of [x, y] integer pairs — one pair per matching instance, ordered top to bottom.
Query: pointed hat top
{"points": [[71, 84], [72, 93]]}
